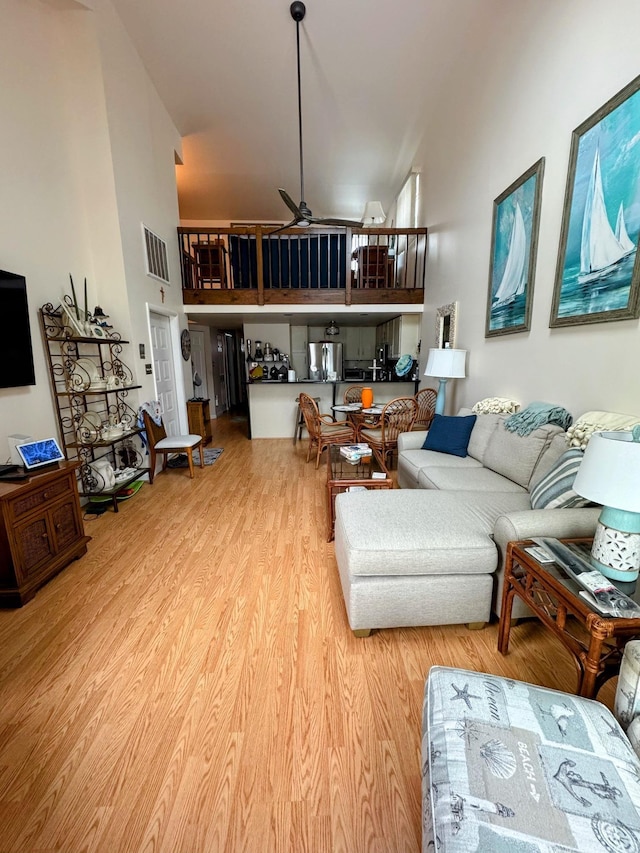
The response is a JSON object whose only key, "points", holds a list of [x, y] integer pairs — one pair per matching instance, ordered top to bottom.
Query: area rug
{"points": [[182, 460]]}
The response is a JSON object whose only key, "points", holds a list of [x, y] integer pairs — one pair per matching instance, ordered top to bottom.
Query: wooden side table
{"points": [[199, 419], [343, 475], [41, 531], [596, 642]]}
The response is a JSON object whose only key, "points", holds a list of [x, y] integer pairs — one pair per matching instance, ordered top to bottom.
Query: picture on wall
{"points": [[514, 240], [597, 276]]}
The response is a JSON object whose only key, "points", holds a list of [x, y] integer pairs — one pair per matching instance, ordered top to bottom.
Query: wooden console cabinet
{"points": [[199, 418], [41, 531]]}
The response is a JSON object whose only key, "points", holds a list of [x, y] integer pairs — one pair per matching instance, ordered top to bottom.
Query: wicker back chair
{"points": [[353, 394], [426, 400], [397, 416], [322, 429]]}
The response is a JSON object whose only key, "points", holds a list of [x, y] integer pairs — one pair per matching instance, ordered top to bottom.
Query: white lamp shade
{"points": [[373, 213], [446, 363], [609, 473]]}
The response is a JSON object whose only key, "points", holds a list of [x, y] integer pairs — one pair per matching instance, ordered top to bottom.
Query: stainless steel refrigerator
{"points": [[325, 361]]}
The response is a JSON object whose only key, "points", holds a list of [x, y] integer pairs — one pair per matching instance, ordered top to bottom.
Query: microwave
{"points": [[354, 374]]}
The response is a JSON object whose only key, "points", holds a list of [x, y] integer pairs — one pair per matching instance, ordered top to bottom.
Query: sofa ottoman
{"points": [[410, 558], [508, 766]]}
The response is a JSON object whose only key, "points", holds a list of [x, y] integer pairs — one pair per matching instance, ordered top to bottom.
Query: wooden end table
{"points": [[343, 475], [595, 641]]}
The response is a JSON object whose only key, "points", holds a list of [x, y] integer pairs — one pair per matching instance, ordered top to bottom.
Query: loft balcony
{"points": [[253, 265]]}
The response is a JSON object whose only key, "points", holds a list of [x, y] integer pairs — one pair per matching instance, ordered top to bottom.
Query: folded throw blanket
{"points": [[154, 410], [536, 415]]}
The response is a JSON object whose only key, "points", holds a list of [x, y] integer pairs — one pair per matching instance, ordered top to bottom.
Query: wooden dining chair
{"points": [[353, 394], [426, 400], [397, 416], [322, 429], [160, 443]]}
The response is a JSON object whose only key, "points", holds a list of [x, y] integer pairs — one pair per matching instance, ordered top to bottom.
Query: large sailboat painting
{"points": [[515, 227], [597, 275]]}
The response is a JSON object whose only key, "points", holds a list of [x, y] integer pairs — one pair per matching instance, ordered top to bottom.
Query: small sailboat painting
{"points": [[601, 235], [513, 261]]}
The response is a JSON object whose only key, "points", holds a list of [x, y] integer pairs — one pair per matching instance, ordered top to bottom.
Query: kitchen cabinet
{"points": [[401, 333], [408, 334], [359, 343], [299, 360], [91, 387], [199, 418], [41, 531]]}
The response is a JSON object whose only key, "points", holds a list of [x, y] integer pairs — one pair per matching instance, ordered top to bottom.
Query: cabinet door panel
{"points": [[368, 342], [66, 525], [34, 547]]}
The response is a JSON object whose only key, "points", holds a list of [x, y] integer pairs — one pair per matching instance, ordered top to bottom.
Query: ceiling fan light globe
{"points": [[297, 10]]}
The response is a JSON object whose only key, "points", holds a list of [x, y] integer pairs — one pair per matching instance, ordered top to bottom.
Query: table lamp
{"points": [[373, 214], [445, 364], [608, 475]]}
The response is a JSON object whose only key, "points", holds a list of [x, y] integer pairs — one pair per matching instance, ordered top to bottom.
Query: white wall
{"points": [[540, 68], [87, 153]]}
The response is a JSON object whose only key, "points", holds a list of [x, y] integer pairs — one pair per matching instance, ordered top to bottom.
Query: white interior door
{"points": [[163, 370]]}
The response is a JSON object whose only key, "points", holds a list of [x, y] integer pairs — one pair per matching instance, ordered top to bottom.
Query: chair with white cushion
{"points": [[161, 443]]}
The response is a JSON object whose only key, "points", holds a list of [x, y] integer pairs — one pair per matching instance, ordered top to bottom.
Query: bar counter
{"points": [[273, 407]]}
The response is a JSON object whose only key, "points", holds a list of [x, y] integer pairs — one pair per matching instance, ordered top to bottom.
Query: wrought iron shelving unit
{"points": [[91, 385]]}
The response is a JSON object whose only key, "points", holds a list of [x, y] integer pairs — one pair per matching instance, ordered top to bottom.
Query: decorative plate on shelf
{"points": [[403, 365], [84, 374]]}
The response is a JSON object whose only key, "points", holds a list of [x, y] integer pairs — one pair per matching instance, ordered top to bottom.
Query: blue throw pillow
{"points": [[450, 435]]}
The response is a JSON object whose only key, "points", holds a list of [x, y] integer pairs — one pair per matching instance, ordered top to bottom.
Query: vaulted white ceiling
{"points": [[373, 77]]}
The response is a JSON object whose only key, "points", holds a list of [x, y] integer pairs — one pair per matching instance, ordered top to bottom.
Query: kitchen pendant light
{"points": [[332, 329]]}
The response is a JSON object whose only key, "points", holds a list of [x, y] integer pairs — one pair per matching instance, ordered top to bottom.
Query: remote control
{"points": [[607, 595]]}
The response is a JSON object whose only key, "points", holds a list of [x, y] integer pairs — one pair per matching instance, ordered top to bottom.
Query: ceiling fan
{"points": [[302, 215]]}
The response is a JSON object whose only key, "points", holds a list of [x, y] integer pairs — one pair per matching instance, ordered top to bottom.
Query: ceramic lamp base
{"points": [[440, 397], [616, 544]]}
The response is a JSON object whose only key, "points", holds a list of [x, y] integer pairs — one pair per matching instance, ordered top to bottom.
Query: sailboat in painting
{"points": [[601, 249], [513, 278]]}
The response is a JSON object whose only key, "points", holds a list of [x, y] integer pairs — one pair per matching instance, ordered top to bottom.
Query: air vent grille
{"points": [[155, 251]]}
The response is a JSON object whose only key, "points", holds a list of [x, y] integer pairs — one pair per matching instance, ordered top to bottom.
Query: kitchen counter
{"points": [[273, 407]]}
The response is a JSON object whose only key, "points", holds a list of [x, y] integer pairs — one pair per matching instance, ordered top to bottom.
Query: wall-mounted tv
{"points": [[16, 353]]}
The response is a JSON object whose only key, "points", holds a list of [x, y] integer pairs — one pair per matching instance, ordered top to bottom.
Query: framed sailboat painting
{"points": [[514, 240], [598, 271]]}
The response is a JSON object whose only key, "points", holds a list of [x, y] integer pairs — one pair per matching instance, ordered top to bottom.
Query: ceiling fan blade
{"points": [[290, 203], [345, 223], [291, 224]]}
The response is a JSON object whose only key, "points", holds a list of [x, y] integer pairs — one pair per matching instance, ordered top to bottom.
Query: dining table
{"points": [[356, 415]]}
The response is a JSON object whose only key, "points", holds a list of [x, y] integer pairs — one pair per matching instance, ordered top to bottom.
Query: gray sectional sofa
{"points": [[432, 552]]}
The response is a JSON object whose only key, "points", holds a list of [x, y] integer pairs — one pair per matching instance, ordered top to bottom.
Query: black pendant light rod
{"points": [[298, 11]]}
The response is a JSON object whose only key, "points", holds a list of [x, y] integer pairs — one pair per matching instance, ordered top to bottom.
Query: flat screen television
{"points": [[16, 353]]}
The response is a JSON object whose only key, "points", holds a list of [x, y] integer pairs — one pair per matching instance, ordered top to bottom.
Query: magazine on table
{"points": [[355, 452], [601, 593]]}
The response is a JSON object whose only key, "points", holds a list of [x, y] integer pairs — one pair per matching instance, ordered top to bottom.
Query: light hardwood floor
{"points": [[192, 686]]}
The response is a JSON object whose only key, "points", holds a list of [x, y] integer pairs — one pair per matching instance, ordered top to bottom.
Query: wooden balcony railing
{"points": [[251, 265]]}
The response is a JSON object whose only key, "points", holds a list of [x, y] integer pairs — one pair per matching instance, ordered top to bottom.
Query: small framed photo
{"points": [[514, 242]]}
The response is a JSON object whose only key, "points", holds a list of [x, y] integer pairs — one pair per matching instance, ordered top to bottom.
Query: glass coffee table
{"points": [[345, 476]]}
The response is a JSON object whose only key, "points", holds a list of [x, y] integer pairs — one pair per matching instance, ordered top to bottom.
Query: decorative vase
{"points": [[367, 398]]}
